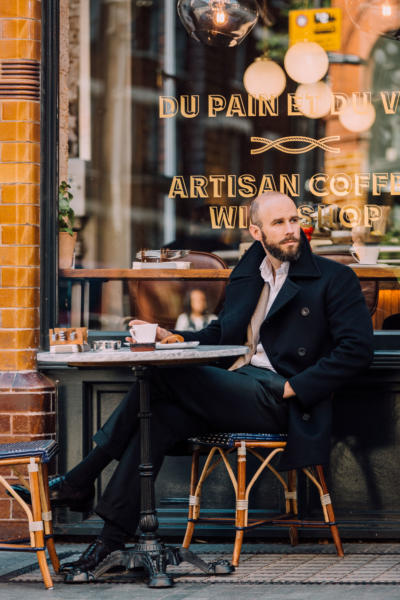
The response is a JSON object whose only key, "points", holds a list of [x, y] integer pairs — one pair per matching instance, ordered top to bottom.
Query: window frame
{"points": [[49, 137]]}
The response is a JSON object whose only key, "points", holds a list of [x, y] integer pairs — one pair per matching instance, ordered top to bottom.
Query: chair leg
{"points": [[194, 477], [292, 487], [292, 495], [326, 500], [241, 503], [47, 516], [37, 524], [44, 569]]}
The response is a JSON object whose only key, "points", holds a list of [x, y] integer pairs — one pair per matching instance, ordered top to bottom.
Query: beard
{"points": [[280, 253]]}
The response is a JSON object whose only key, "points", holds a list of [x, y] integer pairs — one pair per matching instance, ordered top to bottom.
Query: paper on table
{"points": [[162, 265], [160, 346]]}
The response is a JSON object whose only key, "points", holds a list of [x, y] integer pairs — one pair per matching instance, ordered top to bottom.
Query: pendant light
{"points": [[375, 17], [222, 23], [306, 62], [264, 77], [314, 100], [357, 118]]}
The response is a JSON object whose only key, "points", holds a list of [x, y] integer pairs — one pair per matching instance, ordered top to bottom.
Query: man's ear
{"points": [[255, 232]]}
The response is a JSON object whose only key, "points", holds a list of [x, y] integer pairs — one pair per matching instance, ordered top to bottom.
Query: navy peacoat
{"points": [[317, 334]]}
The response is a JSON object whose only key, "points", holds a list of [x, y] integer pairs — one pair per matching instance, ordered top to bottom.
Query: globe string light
{"points": [[306, 62], [264, 77], [314, 100], [357, 117]]}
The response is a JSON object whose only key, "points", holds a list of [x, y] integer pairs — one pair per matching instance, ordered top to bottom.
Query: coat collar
{"points": [[305, 266], [247, 273]]}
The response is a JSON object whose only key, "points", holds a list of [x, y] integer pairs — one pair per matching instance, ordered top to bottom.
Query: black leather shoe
{"points": [[63, 494], [94, 554]]}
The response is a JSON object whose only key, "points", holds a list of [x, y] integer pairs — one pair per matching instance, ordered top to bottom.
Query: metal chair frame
{"points": [[242, 490]]}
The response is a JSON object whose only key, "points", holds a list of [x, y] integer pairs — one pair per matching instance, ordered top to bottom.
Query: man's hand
{"points": [[160, 334], [288, 391]]}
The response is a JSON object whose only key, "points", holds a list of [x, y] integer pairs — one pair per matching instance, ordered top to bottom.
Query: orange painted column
{"points": [[27, 398]]}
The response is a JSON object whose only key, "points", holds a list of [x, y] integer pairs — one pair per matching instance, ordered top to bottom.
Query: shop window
{"points": [[130, 202]]}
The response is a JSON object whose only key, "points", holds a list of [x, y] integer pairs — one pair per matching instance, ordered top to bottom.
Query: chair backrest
{"points": [[369, 287], [162, 301]]}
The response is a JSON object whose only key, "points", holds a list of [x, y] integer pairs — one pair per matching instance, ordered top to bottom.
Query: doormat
{"points": [[362, 563]]}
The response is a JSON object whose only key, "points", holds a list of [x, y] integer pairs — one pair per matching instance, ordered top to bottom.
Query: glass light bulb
{"points": [[375, 17], [223, 23]]}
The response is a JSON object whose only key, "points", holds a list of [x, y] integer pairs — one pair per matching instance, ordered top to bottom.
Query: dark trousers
{"points": [[185, 401]]}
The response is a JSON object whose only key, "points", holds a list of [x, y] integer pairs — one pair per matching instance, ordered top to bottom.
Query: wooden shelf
{"points": [[199, 274]]}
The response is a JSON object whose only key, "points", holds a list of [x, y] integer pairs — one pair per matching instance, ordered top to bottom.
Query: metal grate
{"points": [[20, 79]]}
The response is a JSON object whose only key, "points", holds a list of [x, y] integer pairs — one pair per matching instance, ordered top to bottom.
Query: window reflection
{"points": [[139, 51]]}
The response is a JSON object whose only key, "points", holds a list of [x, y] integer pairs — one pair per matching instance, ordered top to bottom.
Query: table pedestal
{"points": [[149, 554], [148, 561]]}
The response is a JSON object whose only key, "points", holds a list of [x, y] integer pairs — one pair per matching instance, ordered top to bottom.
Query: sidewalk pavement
{"points": [[273, 571]]}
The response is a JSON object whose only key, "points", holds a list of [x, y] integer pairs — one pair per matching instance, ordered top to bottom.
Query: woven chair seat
{"points": [[228, 440], [239, 446], [46, 449]]}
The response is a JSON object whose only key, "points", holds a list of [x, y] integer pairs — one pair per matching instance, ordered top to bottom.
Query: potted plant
{"points": [[66, 235]]}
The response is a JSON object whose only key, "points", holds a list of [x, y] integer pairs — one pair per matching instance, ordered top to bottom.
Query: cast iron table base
{"points": [[149, 553], [148, 562]]}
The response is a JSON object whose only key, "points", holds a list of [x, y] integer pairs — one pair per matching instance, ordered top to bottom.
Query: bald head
{"points": [[270, 201], [276, 224]]}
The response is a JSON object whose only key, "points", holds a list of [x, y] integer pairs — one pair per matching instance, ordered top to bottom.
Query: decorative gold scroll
{"points": [[279, 144]]}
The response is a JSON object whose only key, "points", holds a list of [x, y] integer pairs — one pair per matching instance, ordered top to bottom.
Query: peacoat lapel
{"points": [[303, 268], [246, 283], [242, 295]]}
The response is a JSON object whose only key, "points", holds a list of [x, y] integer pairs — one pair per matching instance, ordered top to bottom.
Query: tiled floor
{"points": [[270, 564]]}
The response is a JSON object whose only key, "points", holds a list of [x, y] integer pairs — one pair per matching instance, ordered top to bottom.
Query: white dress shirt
{"points": [[260, 358]]}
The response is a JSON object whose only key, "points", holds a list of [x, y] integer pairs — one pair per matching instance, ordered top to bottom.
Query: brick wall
{"points": [[27, 398]]}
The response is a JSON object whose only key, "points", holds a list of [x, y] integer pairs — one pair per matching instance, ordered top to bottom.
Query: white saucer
{"points": [[369, 265], [160, 346]]}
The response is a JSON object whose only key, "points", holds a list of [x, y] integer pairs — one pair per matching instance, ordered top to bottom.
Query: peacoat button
{"points": [[305, 311], [301, 351], [306, 417]]}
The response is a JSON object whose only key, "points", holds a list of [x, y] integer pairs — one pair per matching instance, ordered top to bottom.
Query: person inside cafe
{"points": [[195, 316], [308, 330]]}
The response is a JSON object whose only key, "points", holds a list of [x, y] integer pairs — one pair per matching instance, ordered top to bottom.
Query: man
{"points": [[308, 330]]}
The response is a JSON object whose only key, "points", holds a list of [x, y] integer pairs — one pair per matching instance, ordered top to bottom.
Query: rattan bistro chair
{"points": [[223, 444], [35, 455]]}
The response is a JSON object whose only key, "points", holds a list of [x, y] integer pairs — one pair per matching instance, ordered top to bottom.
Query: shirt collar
{"points": [[266, 270]]}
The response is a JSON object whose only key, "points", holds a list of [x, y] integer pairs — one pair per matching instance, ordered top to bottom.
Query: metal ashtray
{"points": [[107, 345]]}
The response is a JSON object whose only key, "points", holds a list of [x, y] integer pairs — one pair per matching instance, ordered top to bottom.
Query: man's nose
{"points": [[290, 228]]}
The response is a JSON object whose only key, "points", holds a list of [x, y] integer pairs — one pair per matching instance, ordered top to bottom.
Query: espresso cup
{"points": [[367, 255], [145, 333]]}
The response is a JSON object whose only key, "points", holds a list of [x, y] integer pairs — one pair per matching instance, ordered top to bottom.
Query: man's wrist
{"points": [[162, 333], [288, 391]]}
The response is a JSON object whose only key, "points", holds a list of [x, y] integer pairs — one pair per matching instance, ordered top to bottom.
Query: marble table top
{"points": [[124, 356]]}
